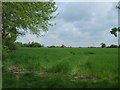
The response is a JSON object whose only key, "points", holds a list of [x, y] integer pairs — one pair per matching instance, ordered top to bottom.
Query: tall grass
{"points": [[101, 63]]}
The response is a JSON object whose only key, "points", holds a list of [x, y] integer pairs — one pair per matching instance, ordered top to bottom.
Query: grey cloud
{"points": [[80, 24]]}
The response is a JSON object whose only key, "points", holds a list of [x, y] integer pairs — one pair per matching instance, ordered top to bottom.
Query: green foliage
{"points": [[30, 16], [21, 17], [114, 31], [18, 44], [32, 44], [103, 45], [11, 46], [51, 46], [62, 46], [113, 46], [5, 51]]}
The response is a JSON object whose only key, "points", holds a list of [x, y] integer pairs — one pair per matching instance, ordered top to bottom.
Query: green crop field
{"points": [[61, 68]]}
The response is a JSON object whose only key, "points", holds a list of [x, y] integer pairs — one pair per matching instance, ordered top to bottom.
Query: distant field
{"points": [[61, 68]]}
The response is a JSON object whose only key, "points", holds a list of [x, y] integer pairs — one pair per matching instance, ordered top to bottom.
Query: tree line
{"points": [[21, 17], [33, 17], [34, 44], [38, 45], [103, 45]]}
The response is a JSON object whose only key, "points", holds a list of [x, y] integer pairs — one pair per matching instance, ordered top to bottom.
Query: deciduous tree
{"points": [[21, 17]]}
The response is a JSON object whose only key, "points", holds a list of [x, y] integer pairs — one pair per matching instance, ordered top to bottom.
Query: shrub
{"points": [[32, 44], [17, 45], [103, 45], [51, 46], [62, 46], [113, 46], [119, 46], [5, 51]]}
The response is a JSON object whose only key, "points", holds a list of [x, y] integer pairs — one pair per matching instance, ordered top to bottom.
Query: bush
{"points": [[33, 44], [17, 45], [103, 45], [9, 46], [51, 46], [62, 46], [113, 46], [119, 46], [5, 51]]}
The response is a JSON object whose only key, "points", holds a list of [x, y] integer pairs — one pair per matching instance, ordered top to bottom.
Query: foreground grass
{"points": [[61, 68]]}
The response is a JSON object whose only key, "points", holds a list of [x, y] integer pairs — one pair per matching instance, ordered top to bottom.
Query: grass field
{"points": [[61, 68]]}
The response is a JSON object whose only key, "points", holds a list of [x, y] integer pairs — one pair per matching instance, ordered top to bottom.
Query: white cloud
{"points": [[80, 24]]}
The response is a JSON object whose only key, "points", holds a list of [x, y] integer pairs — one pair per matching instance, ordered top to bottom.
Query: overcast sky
{"points": [[80, 24]]}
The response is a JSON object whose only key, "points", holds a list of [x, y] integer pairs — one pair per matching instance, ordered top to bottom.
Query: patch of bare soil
{"points": [[16, 70], [20, 70], [42, 73], [82, 77]]}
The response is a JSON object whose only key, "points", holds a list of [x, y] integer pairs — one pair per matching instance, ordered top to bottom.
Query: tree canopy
{"points": [[21, 17], [115, 30], [103, 45]]}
